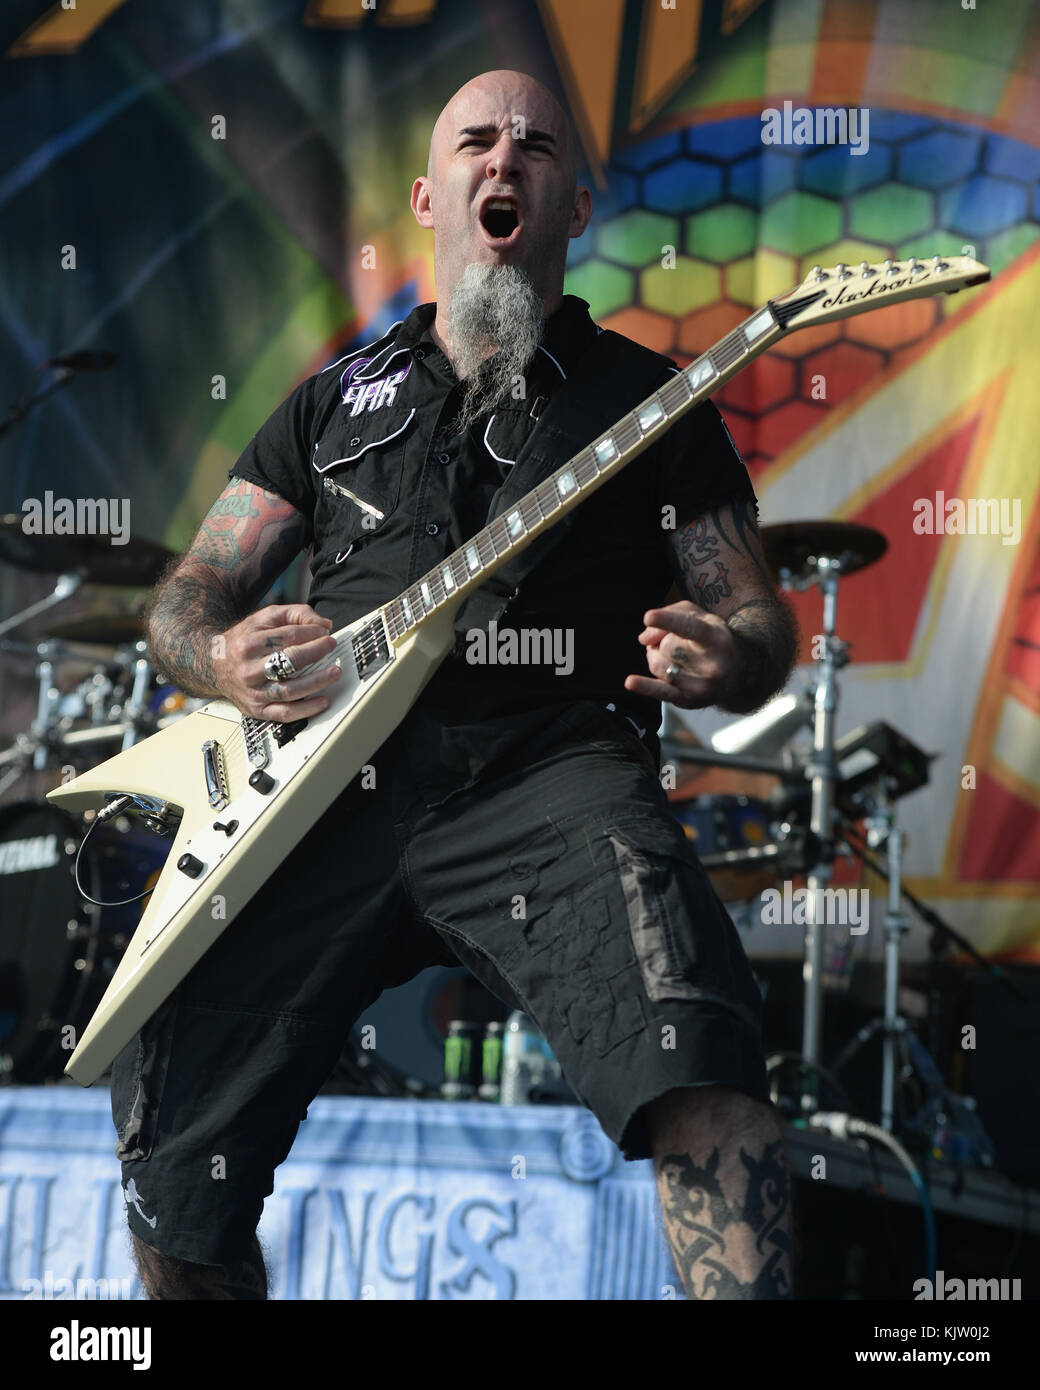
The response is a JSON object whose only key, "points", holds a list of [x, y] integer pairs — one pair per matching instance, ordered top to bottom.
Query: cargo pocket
{"points": [[681, 935], [137, 1082]]}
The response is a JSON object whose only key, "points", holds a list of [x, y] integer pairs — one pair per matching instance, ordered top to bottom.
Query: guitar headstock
{"points": [[836, 292]]}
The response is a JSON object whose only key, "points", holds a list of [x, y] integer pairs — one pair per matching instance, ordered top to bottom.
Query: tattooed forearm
{"points": [[245, 542], [189, 609], [767, 642], [724, 1250]]}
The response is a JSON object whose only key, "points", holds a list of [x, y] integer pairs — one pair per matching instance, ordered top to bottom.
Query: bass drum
{"points": [[58, 952]]}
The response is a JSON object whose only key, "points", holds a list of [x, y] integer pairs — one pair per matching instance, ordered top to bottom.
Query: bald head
{"points": [[524, 96]]}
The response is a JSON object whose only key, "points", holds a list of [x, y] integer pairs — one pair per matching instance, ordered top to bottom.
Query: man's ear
{"points": [[422, 205], [581, 212]]}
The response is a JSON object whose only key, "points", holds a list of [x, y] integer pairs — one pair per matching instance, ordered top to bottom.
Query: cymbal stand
{"points": [[66, 585], [832, 654]]}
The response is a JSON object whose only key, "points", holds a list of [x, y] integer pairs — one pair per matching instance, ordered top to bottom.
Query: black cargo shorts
{"points": [[556, 873]]}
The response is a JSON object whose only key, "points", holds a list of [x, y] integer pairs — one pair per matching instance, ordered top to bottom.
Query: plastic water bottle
{"points": [[527, 1060]]}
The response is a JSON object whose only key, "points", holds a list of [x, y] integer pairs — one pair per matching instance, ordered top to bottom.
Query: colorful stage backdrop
{"points": [[218, 193]]}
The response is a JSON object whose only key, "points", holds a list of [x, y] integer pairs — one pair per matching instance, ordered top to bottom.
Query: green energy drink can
{"points": [[461, 1061], [491, 1062]]}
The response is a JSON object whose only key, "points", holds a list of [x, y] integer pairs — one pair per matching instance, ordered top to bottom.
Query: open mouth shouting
{"points": [[500, 221]]}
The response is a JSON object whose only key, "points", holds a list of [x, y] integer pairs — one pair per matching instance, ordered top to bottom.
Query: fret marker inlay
{"points": [[699, 373]]}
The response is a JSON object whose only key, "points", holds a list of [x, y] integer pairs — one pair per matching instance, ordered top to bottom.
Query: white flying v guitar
{"points": [[238, 793]]}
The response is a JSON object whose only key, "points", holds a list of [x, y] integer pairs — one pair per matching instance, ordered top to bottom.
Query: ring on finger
{"points": [[279, 667], [671, 673]]}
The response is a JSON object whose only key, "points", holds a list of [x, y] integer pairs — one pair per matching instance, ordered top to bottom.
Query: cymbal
{"points": [[796, 545], [137, 564], [104, 629]]}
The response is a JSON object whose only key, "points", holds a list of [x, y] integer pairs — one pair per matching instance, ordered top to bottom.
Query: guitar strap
{"points": [[611, 377]]}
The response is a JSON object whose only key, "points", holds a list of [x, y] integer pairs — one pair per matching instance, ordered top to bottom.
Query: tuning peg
{"points": [[939, 264], [891, 266], [914, 266], [866, 270], [818, 273], [844, 273]]}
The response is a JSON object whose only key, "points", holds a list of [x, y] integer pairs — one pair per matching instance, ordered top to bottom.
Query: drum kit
{"points": [[97, 693]]}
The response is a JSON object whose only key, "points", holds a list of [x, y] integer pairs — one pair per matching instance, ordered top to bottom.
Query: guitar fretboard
{"points": [[468, 567]]}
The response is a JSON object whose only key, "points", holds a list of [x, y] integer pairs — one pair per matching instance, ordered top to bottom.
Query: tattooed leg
{"points": [[725, 1196], [167, 1278]]}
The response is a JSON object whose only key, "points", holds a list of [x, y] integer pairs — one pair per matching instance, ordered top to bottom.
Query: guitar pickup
{"points": [[286, 732], [215, 773]]}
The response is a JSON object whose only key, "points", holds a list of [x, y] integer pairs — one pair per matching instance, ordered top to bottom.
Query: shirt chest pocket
{"points": [[360, 470]]}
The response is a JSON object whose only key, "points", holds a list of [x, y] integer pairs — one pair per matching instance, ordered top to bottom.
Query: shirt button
{"points": [[420, 353], [355, 441], [444, 458], [432, 528]]}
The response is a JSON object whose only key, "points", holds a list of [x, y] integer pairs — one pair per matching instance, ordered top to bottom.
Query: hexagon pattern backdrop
{"points": [[259, 251]]}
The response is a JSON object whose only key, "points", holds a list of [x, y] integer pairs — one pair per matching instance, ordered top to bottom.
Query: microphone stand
{"points": [[19, 410]]}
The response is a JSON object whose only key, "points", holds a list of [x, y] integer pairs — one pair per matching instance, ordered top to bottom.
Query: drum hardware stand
{"points": [[824, 571], [66, 586], [46, 704], [135, 711], [881, 827]]}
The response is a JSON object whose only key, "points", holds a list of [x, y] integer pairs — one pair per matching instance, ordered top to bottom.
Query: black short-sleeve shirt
{"points": [[365, 450]]}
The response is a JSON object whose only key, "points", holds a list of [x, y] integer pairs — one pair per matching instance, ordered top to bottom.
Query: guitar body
{"points": [[185, 914]]}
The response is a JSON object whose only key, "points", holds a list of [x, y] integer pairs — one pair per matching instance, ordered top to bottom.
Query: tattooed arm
{"points": [[246, 541], [732, 639]]}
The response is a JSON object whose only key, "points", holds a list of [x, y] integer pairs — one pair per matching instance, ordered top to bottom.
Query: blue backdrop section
{"points": [[384, 1199]]}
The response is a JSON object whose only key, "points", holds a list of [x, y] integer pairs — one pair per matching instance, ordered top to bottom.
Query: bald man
{"points": [[514, 821]]}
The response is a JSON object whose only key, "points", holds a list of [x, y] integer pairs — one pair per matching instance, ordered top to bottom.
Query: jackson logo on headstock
{"points": [[878, 286]]}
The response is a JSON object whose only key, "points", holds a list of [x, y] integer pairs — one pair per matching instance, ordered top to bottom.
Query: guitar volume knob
{"points": [[190, 865]]}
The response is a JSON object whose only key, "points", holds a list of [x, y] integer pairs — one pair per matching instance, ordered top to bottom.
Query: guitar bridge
{"points": [[215, 774]]}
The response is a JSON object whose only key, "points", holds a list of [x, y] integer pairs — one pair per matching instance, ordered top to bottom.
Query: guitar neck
{"points": [[825, 296]]}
